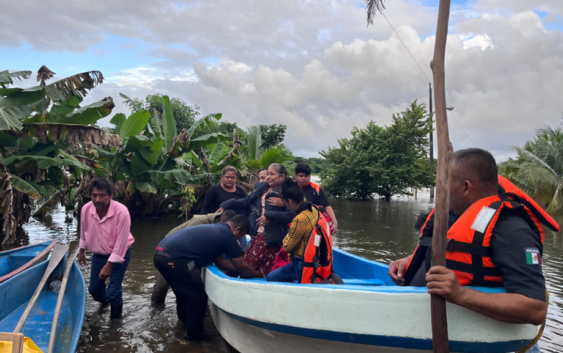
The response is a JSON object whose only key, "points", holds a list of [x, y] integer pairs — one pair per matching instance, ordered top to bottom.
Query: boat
{"points": [[20, 259], [18, 290], [367, 314]]}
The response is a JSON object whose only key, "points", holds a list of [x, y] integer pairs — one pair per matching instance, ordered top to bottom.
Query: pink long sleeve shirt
{"points": [[109, 236]]}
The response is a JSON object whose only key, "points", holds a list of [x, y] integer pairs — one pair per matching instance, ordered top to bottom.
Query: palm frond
{"points": [[372, 7], [254, 142]]}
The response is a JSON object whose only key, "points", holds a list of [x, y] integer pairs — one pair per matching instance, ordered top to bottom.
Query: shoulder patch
{"points": [[483, 218], [532, 256]]}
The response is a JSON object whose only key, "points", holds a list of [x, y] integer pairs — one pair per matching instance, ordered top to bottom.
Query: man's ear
{"points": [[466, 186]]}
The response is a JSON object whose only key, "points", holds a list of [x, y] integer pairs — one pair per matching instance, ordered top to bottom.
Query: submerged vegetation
{"points": [[384, 161]]}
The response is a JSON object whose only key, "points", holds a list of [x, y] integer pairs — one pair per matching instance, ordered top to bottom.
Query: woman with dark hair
{"points": [[226, 190], [269, 219]]}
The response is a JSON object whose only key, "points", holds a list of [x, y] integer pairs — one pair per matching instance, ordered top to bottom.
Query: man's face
{"points": [[263, 175], [303, 179], [461, 193], [100, 198], [239, 233]]}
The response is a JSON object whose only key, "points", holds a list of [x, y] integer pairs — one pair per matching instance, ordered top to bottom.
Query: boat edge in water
{"points": [[76, 289], [253, 314]]}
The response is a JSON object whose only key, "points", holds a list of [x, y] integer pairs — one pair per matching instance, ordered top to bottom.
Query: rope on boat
{"points": [[540, 332]]}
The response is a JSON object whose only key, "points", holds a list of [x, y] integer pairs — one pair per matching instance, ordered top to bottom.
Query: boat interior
{"points": [[11, 260]]}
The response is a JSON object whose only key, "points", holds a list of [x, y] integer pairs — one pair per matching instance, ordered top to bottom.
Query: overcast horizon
{"points": [[312, 65]]}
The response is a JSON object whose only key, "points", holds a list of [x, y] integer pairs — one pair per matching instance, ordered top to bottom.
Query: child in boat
{"points": [[296, 239]]}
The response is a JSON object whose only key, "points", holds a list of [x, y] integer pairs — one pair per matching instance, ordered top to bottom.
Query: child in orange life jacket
{"points": [[296, 239]]}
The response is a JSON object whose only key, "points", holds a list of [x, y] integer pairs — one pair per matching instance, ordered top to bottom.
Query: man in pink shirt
{"points": [[105, 231]]}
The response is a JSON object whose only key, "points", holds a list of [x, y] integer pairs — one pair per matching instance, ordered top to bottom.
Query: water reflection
{"points": [[377, 230]]}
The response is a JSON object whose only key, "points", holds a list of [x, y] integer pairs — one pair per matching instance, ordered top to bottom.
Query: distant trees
{"points": [[184, 114], [272, 135], [386, 160], [317, 164], [538, 168]]}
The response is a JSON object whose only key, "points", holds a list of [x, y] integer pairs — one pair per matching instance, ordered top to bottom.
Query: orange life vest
{"points": [[317, 187], [468, 247], [317, 260]]}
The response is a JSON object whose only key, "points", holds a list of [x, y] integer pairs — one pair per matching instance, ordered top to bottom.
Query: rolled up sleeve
{"points": [[83, 225], [122, 241]]}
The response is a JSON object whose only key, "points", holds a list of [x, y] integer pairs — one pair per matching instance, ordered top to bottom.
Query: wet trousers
{"points": [[113, 294], [191, 299]]}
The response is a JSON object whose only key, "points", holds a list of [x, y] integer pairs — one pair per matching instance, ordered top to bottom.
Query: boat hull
{"points": [[20, 259], [16, 293], [375, 318]]}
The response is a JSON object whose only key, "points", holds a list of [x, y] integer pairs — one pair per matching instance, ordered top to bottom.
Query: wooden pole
{"points": [[431, 154], [445, 155], [60, 298]]}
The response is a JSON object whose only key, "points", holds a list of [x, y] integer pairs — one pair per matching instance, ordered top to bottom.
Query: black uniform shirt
{"points": [[217, 195], [318, 199], [202, 244], [513, 245]]}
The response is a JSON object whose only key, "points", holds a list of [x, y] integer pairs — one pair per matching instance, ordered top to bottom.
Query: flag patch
{"points": [[532, 256]]}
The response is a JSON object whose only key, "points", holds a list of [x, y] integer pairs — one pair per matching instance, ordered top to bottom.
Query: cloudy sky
{"points": [[312, 65]]}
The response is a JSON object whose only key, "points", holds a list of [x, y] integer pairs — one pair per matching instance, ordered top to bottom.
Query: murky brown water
{"points": [[376, 230]]}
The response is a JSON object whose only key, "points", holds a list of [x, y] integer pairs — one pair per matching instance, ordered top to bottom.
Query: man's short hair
{"points": [[477, 165], [302, 168], [101, 184], [227, 215], [421, 219], [241, 222]]}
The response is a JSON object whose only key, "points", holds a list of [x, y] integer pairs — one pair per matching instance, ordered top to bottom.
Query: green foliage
{"points": [[184, 115], [272, 135], [257, 157], [381, 160], [317, 165], [538, 168]]}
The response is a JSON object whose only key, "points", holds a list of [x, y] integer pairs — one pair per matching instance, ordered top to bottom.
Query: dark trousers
{"points": [[97, 288], [159, 290], [191, 299]]}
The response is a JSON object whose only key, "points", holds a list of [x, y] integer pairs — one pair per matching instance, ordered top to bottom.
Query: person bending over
{"points": [[509, 246], [181, 256], [160, 289]]}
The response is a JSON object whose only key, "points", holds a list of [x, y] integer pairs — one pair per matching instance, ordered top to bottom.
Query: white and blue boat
{"points": [[367, 314]]}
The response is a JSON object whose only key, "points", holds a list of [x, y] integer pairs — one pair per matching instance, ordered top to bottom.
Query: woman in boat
{"points": [[226, 190], [269, 219], [296, 239]]}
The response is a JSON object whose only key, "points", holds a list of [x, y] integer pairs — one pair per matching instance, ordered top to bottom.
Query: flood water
{"points": [[377, 230]]}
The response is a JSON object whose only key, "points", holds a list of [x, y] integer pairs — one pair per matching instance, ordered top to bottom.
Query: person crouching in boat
{"points": [[314, 193], [269, 219], [295, 241], [497, 241], [181, 256], [160, 289]]}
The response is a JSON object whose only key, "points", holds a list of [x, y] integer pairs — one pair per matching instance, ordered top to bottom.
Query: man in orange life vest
{"points": [[496, 241]]}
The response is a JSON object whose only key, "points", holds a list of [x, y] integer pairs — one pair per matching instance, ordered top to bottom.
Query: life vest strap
{"points": [[425, 241], [468, 248], [469, 268]]}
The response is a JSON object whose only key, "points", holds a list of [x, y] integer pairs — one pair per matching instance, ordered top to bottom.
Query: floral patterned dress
{"points": [[260, 256]]}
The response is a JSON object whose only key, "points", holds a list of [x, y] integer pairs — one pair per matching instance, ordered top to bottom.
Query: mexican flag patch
{"points": [[532, 256]]}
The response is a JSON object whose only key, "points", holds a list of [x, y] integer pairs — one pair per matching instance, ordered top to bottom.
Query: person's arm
{"points": [[208, 201], [234, 204], [330, 212], [284, 217], [293, 237], [82, 244], [121, 244], [224, 264], [244, 269], [397, 269], [506, 307]]}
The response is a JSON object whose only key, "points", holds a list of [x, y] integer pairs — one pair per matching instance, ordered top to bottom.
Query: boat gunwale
{"points": [[31, 262]]}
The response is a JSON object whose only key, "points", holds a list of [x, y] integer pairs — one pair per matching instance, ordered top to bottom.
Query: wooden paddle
{"points": [[56, 256], [68, 268]]}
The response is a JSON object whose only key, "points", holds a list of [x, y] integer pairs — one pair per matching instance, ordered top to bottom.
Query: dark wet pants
{"points": [[97, 287], [160, 289], [191, 299]]}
